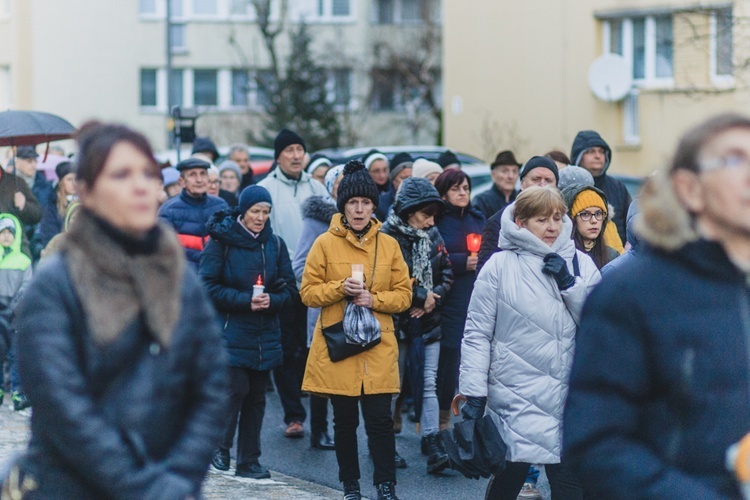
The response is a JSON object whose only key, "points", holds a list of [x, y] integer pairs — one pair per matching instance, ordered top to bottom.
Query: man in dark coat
{"points": [[593, 153], [538, 171], [503, 192], [16, 195], [189, 212], [659, 385]]}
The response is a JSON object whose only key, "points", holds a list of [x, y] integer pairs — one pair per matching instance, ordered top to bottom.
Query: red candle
{"points": [[473, 242]]}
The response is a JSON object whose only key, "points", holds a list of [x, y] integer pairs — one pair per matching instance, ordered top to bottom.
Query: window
{"points": [[147, 7], [204, 7], [239, 8], [340, 8], [177, 10], [385, 11], [410, 11], [177, 34], [646, 43], [722, 44], [340, 84], [148, 87], [205, 87], [240, 87], [264, 87], [385, 90], [176, 97], [631, 124]]}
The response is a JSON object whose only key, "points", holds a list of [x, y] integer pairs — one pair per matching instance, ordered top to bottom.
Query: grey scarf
{"points": [[420, 250]]}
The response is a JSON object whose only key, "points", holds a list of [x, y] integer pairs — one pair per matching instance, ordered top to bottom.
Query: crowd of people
{"points": [[168, 298]]}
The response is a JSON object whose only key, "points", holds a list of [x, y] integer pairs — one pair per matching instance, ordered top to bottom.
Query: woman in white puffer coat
{"points": [[519, 339]]}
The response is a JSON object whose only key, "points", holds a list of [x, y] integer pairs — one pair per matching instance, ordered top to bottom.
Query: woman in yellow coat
{"points": [[371, 377]]}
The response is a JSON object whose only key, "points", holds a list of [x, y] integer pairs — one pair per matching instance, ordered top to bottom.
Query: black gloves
{"points": [[555, 266], [474, 408]]}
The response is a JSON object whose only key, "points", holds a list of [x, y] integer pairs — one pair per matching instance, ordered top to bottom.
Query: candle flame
{"points": [[259, 281]]}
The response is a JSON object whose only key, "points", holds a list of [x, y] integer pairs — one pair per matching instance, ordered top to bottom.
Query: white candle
{"points": [[358, 272], [257, 290]]}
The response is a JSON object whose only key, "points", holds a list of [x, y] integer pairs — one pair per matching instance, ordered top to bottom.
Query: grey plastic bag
{"points": [[360, 325]]}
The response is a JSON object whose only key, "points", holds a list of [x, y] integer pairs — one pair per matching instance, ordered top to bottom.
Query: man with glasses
{"points": [[593, 153], [189, 211], [659, 386]]}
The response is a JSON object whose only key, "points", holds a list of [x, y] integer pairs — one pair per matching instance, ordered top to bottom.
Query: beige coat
{"points": [[329, 263]]}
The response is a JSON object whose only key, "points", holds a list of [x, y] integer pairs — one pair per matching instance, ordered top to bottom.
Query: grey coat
{"points": [[519, 340]]}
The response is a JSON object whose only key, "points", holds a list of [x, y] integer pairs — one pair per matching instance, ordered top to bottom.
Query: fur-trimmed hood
{"points": [[319, 208], [664, 223]]}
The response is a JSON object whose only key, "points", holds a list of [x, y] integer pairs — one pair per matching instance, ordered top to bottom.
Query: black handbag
{"points": [[338, 347]]}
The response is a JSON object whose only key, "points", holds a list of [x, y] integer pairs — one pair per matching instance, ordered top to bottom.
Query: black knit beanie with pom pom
{"points": [[356, 182]]}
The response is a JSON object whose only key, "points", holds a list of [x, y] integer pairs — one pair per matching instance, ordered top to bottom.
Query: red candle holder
{"points": [[473, 243]]}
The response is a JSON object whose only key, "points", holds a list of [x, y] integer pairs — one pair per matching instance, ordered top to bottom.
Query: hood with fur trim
{"points": [[319, 208], [664, 223]]}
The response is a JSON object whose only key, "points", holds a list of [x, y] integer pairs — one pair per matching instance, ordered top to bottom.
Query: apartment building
{"points": [[107, 59], [516, 73]]}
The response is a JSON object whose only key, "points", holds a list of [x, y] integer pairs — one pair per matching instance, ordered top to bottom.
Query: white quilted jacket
{"points": [[519, 340]]}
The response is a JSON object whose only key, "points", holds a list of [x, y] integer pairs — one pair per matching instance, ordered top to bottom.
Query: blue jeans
{"points": [[430, 418]]}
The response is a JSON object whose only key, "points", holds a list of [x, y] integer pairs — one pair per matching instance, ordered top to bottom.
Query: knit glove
{"points": [[555, 266], [474, 408]]}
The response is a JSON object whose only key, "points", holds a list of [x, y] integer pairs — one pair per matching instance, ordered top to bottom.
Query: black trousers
{"points": [[288, 376], [447, 376], [247, 400], [376, 410], [318, 414], [507, 485]]}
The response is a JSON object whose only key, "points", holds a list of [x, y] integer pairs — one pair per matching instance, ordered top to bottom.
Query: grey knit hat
{"points": [[230, 165], [574, 175]]}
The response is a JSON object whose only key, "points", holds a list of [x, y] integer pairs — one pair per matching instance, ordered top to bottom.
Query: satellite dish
{"points": [[610, 77]]}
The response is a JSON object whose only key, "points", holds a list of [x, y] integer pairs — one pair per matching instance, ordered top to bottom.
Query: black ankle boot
{"points": [[437, 459], [351, 490], [387, 491]]}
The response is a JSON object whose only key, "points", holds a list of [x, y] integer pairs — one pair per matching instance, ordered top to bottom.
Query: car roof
{"points": [[343, 155]]}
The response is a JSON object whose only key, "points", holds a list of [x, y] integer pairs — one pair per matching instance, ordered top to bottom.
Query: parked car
{"points": [[261, 159], [478, 170]]}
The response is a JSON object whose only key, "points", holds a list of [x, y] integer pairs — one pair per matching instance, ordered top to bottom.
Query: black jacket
{"points": [[617, 193], [492, 201], [454, 225], [490, 238], [229, 267], [442, 280], [661, 363], [126, 420]]}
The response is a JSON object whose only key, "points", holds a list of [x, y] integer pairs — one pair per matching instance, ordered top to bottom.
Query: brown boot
{"points": [[445, 419]]}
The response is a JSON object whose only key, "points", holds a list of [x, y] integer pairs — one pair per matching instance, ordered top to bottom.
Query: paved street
{"points": [[298, 472]]}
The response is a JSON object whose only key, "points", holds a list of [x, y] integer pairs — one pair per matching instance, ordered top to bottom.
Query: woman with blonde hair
{"points": [[519, 340]]}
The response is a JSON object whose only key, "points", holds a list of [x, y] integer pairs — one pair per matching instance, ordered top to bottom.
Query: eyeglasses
{"points": [[732, 162], [214, 183], [586, 216]]}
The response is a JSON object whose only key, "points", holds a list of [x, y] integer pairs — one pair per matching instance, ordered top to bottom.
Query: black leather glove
{"points": [[555, 266], [474, 408]]}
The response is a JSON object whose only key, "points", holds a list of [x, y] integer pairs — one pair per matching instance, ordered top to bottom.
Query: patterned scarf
{"points": [[357, 234], [420, 250]]}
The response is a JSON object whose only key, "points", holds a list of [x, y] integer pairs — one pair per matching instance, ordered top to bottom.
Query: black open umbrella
{"points": [[29, 128]]}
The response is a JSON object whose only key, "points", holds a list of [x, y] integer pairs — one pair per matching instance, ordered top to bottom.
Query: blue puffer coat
{"points": [[188, 216], [455, 224], [230, 265]]}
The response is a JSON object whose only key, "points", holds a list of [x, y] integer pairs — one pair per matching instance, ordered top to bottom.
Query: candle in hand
{"points": [[473, 243], [358, 272], [258, 287]]}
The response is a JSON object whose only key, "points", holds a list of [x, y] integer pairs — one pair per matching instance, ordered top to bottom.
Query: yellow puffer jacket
{"points": [[329, 263]]}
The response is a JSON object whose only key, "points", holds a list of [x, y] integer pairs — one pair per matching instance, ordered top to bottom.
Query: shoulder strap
{"points": [[375, 261], [576, 269]]}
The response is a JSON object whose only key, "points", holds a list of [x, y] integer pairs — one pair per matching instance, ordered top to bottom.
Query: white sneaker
{"points": [[529, 492]]}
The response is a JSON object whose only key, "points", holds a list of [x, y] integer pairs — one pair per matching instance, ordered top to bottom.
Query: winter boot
{"points": [[20, 402], [445, 419], [437, 459], [351, 490], [387, 491]]}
